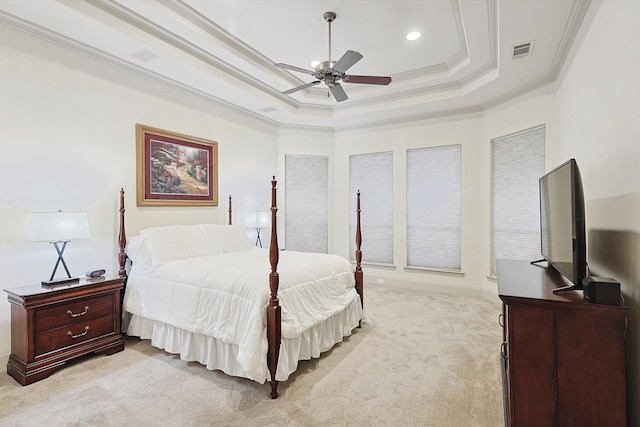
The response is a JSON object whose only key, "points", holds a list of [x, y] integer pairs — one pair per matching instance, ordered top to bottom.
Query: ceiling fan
{"points": [[331, 72]]}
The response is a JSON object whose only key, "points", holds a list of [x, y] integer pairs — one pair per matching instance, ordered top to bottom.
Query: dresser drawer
{"points": [[73, 312], [52, 325], [68, 335]]}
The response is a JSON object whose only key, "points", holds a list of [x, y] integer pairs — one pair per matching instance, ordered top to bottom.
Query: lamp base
{"points": [[58, 282]]}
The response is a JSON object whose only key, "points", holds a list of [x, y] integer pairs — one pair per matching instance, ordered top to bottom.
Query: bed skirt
{"points": [[218, 355]]}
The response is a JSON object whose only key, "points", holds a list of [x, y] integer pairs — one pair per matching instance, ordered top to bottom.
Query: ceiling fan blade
{"points": [[347, 61], [294, 68], [369, 80], [295, 89], [338, 92]]}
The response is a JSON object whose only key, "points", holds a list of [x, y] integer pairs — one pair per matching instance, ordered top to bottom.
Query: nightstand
{"points": [[51, 325]]}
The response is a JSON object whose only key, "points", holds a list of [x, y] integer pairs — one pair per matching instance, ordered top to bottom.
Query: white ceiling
{"points": [[224, 50]]}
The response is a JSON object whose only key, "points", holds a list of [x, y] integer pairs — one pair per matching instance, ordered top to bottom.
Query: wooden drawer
{"points": [[73, 312], [52, 325], [76, 333], [565, 362]]}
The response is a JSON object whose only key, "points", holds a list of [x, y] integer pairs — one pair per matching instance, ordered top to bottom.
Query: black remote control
{"points": [[95, 273]]}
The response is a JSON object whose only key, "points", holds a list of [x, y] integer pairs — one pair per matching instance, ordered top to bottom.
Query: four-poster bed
{"points": [[199, 291]]}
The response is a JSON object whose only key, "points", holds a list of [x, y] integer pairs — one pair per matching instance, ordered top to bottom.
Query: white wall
{"points": [[598, 123], [466, 131], [474, 133], [67, 141]]}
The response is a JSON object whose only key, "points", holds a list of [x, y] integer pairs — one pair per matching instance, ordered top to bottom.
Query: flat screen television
{"points": [[562, 223]]}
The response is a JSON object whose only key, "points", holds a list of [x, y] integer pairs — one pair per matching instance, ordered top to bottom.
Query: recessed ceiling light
{"points": [[413, 35], [314, 64]]}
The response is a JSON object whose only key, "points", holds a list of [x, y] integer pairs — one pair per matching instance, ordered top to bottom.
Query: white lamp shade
{"points": [[258, 219], [57, 226]]}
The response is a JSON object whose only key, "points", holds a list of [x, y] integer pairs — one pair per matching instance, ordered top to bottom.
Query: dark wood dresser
{"points": [[51, 325], [563, 358]]}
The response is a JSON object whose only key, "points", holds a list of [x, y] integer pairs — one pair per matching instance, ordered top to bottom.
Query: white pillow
{"points": [[226, 238], [176, 242], [138, 251]]}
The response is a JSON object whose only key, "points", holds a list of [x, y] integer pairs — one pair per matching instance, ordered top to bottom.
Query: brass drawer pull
{"points": [[86, 308], [86, 329], [503, 350]]}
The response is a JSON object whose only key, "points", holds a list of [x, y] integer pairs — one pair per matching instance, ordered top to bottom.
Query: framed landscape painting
{"points": [[175, 169]]}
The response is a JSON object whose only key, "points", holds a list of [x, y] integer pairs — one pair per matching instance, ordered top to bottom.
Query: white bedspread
{"points": [[225, 295]]}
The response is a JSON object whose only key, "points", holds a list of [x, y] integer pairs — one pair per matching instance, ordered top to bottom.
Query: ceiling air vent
{"points": [[523, 49]]}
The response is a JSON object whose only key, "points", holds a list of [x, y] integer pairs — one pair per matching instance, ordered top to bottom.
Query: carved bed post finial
{"points": [[230, 210], [122, 239], [273, 247], [358, 273], [274, 326]]}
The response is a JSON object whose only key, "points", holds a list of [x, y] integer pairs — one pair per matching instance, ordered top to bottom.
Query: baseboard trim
{"points": [[429, 287], [488, 294], [491, 294], [4, 359]]}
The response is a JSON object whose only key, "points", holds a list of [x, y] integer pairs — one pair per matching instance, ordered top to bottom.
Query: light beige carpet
{"points": [[420, 359]]}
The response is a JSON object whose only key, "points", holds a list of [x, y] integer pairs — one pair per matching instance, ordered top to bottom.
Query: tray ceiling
{"points": [[225, 50]]}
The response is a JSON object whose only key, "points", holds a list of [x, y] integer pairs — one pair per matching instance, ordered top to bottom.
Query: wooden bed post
{"points": [[230, 209], [122, 241], [358, 272], [274, 326]]}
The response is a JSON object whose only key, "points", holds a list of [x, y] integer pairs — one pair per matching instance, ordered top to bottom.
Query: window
{"points": [[518, 162], [372, 174], [307, 203], [434, 208]]}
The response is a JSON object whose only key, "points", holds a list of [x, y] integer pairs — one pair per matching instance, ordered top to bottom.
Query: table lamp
{"points": [[258, 220], [58, 228]]}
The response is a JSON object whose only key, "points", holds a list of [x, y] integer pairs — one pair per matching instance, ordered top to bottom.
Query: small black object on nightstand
{"points": [[95, 273]]}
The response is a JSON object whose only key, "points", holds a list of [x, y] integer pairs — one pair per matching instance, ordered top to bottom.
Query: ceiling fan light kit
{"points": [[331, 72]]}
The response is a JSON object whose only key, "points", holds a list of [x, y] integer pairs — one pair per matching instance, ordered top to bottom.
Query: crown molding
{"points": [[578, 12], [577, 16], [140, 22], [233, 43], [97, 54], [457, 58], [486, 68], [519, 91], [413, 118], [307, 128]]}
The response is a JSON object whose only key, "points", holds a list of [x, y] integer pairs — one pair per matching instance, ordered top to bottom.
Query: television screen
{"points": [[562, 222]]}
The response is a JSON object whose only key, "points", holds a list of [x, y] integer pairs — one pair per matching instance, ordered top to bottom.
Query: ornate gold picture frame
{"points": [[175, 169]]}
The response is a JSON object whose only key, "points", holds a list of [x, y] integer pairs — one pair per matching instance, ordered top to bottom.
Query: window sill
{"points": [[380, 265]]}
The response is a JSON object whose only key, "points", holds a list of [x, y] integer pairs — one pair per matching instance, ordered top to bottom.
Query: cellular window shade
{"points": [[518, 162], [372, 174], [307, 203], [434, 208]]}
